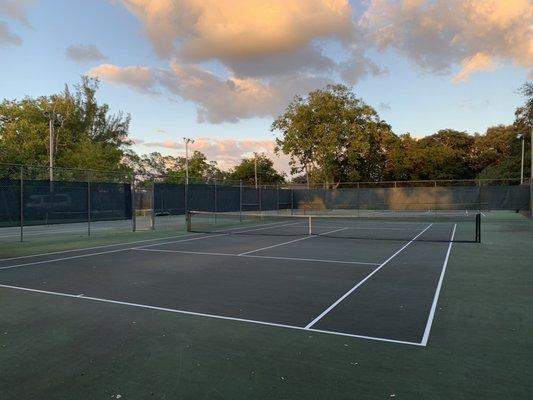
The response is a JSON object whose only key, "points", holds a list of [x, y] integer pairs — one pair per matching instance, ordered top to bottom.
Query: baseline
{"points": [[215, 316]]}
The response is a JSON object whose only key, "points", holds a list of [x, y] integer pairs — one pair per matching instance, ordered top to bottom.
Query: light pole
{"points": [[522, 137], [187, 141]]}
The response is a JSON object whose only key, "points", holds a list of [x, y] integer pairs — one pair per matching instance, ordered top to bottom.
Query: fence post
{"points": [[186, 192], [215, 195], [277, 197], [215, 198], [240, 200], [292, 200], [358, 200], [21, 203], [88, 203], [260, 204], [152, 205], [133, 211]]}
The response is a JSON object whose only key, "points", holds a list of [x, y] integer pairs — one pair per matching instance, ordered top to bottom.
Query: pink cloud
{"points": [[226, 152]]}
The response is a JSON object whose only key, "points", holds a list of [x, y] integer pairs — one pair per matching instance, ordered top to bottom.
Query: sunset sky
{"points": [[219, 71]]}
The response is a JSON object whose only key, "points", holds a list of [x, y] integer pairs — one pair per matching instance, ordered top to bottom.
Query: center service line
{"points": [[290, 241], [331, 307]]}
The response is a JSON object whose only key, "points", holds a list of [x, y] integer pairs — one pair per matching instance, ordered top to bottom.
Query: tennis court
{"points": [[381, 284], [247, 306]]}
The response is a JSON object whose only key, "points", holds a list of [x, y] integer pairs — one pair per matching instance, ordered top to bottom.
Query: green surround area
{"points": [[480, 345]]}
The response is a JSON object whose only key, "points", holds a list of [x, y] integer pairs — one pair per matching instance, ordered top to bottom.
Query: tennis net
{"points": [[421, 226]]}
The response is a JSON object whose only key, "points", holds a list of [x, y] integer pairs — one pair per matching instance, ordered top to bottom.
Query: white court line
{"points": [[271, 225], [407, 228], [57, 231], [290, 241], [103, 246], [96, 247], [203, 253], [94, 254], [62, 259], [437, 292], [331, 307], [198, 314]]}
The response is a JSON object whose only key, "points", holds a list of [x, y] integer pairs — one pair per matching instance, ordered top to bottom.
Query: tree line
{"points": [[330, 135]]}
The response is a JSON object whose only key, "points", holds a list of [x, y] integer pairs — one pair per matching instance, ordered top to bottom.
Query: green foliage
{"points": [[333, 135], [86, 137], [172, 169], [266, 173]]}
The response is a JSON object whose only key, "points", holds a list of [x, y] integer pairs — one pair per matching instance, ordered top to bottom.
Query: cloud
{"points": [[15, 9], [12, 10], [237, 30], [439, 35], [8, 38], [269, 51], [265, 52], [84, 53], [478, 62], [358, 66], [140, 78], [218, 99], [384, 106], [226, 152]]}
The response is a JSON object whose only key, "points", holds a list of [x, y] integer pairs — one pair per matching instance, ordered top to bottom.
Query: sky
{"points": [[220, 71]]}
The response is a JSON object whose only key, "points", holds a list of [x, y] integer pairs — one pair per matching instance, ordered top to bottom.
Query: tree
{"points": [[333, 135], [87, 138], [499, 152], [172, 169], [266, 173]]}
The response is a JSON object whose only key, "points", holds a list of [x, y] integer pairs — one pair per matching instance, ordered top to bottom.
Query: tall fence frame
{"points": [[163, 195]]}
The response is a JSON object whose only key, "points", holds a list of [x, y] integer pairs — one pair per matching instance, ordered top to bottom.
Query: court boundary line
{"points": [[225, 233], [289, 242], [110, 245], [95, 247], [93, 254], [255, 256], [345, 295], [432, 311], [206, 315]]}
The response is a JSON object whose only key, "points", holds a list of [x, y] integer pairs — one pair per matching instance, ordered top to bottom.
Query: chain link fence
{"points": [[35, 201]]}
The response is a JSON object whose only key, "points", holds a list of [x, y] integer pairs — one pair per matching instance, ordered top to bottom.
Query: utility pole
{"points": [[53, 118], [187, 141]]}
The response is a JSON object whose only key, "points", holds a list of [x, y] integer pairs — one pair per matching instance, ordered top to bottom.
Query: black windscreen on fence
{"points": [[482, 197], [169, 198], [68, 201], [62, 202]]}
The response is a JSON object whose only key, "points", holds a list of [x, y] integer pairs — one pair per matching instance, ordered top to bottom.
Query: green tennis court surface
{"points": [[401, 309]]}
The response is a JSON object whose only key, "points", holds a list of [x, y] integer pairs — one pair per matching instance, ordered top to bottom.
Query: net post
{"points": [[240, 200], [21, 203], [88, 203], [133, 211], [188, 221], [478, 228]]}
